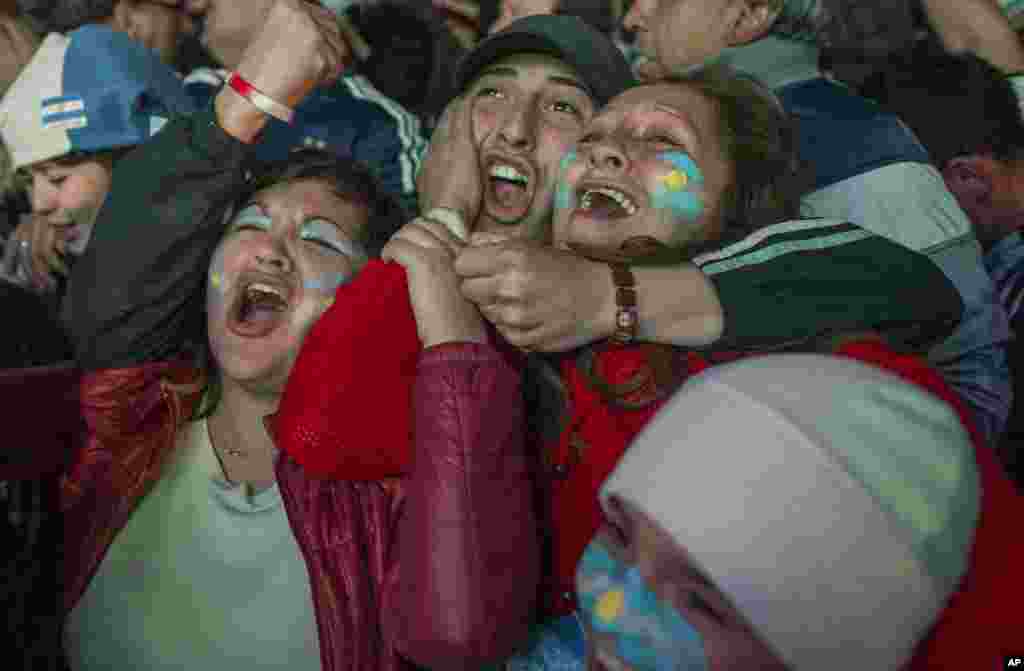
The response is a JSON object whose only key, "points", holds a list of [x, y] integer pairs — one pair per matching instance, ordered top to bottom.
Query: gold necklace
{"points": [[230, 451]]}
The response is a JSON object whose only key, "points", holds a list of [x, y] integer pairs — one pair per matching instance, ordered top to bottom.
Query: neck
{"points": [[774, 60], [237, 423]]}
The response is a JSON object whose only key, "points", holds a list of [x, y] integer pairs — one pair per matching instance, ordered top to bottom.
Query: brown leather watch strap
{"points": [[626, 317]]}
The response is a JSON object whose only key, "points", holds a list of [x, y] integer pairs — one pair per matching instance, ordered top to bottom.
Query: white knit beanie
{"points": [[832, 502]]}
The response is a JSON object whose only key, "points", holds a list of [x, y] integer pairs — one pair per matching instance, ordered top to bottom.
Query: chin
{"points": [[257, 367], [263, 377]]}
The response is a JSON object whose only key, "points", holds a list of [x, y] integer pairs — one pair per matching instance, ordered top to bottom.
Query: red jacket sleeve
{"points": [[468, 525]]}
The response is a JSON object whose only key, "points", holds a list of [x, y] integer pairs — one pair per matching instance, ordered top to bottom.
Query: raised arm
{"points": [[136, 295]]}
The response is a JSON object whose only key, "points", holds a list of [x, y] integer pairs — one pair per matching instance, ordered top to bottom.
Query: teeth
{"points": [[509, 173], [624, 201], [266, 289]]}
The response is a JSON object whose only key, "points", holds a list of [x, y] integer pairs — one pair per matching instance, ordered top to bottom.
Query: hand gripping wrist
{"points": [[627, 323]]}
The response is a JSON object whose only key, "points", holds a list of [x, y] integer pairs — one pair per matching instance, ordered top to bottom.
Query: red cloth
{"points": [[359, 430], [601, 433]]}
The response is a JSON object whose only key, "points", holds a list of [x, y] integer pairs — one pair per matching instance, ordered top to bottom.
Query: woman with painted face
{"points": [[663, 173], [669, 173], [190, 541]]}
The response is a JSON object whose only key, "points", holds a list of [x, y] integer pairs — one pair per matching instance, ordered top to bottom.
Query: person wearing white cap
{"points": [[80, 103], [800, 512]]}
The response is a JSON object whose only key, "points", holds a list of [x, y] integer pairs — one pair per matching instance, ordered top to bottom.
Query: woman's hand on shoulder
{"points": [[427, 250]]}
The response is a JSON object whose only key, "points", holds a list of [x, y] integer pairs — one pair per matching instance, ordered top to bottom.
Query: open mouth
{"points": [[508, 188], [606, 202], [258, 309]]}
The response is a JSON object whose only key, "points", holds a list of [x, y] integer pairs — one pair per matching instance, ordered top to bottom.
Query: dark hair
{"points": [[62, 16], [858, 38], [413, 52], [928, 88], [759, 138], [348, 178]]}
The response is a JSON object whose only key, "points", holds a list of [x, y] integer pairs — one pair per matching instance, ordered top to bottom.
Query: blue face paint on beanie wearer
{"points": [[649, 635]]}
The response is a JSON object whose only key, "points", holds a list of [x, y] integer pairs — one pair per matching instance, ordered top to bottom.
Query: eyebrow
{"points": [[499, 71], [505, 71], [571, 81], [674, 112], [342, 230]]}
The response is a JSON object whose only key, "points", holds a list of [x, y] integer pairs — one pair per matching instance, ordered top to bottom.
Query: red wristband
{"points": [[260, 100]]}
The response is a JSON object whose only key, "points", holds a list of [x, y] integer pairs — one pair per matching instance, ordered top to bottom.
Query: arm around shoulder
{"points": [[808, 279]]}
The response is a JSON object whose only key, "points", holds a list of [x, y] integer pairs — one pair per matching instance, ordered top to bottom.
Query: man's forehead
{"points": [[556, 70]]}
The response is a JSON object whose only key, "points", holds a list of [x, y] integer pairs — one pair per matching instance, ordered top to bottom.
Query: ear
{"points": [[753, 21], [970, 178]]}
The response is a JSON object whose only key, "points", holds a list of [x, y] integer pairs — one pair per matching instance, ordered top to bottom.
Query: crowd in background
{"points": [[512, 334]]}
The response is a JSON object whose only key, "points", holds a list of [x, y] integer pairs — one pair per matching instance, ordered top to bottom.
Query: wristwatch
{"points": [[626, 316]]}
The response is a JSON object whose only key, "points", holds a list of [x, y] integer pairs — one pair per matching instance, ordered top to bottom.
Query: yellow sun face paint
{"points": [[675, 180], [679, 190], [610, 605]]}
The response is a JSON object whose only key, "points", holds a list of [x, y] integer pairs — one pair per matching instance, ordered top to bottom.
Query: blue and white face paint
{"points": [[681, 189], [316, 230], [644, 632]]}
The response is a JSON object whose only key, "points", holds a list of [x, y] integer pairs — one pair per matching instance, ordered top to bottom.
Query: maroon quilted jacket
{"points": [[438, 568]]}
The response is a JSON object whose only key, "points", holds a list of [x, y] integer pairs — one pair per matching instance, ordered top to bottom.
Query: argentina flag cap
{"points": [[91, 90]]}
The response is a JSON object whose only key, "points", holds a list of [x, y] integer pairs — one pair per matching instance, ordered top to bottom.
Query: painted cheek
{"points": [[680, 187], [565, 199], [217, 283], [327, 284], [647, 634]]}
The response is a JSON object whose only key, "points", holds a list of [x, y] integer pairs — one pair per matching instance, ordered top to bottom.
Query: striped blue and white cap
{"points": [[91, 90]]}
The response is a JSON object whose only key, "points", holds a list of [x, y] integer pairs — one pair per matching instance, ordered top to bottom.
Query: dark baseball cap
{"points": [[596, 59]]}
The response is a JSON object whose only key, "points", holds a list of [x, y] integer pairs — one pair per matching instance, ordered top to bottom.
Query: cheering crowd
{"points": [[524, 335]]}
